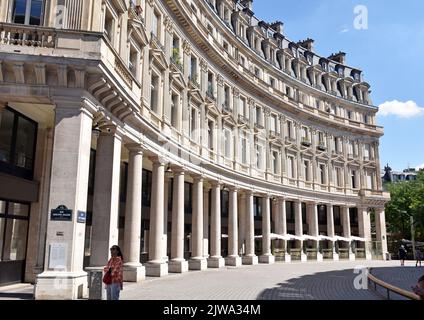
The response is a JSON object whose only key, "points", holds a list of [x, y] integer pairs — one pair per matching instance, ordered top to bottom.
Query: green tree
{"points": [[407, 198]]}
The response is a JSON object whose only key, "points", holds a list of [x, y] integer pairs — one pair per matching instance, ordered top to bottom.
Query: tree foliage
{"points": [[407, 198]]}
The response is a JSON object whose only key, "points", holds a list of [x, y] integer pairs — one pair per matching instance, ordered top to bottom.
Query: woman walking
{"points": [[115, 269]]}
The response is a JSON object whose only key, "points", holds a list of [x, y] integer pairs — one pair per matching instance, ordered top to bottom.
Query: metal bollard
{"points": [[97, 289]]}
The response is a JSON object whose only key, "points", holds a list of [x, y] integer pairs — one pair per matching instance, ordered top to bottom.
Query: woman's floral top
{"points": [[117, 271]]}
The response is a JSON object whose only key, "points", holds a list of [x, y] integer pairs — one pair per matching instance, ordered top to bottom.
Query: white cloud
{"points": [[344, 30], [400, 109]]}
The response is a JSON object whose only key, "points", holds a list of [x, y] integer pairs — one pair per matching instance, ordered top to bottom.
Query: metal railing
{"points": [[390, 288]]}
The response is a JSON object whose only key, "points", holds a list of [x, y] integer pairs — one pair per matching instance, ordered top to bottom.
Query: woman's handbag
{"points": [[107, 278]]}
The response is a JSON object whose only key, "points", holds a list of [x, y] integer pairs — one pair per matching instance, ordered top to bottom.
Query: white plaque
{"points": [[58, 256]]}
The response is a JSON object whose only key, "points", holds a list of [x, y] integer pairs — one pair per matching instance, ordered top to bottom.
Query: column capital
{"points": [[76, 102], [111, 130], [135, 147], [158, 160], [178, 169], [198, 177], [216, 184]]}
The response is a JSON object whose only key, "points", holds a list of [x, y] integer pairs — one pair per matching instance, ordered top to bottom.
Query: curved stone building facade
{"points": [[191, 133]]}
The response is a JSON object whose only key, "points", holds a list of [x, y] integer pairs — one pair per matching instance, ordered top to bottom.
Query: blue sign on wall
{"points": [[81, 217]]}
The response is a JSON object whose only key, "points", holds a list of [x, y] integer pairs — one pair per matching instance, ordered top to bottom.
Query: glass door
{"points": [[14, 220]]}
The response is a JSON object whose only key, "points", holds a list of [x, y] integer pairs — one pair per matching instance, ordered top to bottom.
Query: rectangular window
{"points": [[28, 12], [156, 24], [109, 27], [133, 61], [193, 69], [154, 93], [227, 96], [174, 109], [242, 110], [258, 115], [193, 124], [210, 135], [18, 136], [227, 143], [244, 150], [259, 156], [275, 162], [290, 169], [306, 170], [322, 174], [353, 177], [146, 187]]}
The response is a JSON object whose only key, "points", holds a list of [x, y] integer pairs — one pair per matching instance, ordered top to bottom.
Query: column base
{"points": [[336, 256], [368, 256], [303, 257], [320, 257], [352, 257], [287, 258], [267, 259], [250, 260], [234, 261], [216, 262], [198, 264], [178, 266], [154, 269], [134, 272], [59, 285]]}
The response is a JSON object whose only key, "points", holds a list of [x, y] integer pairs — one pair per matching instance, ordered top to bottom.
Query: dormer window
{"points": [[28, 12]]}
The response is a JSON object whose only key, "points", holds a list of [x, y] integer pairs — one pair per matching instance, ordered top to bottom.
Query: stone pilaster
{"points": [[346, 228], [133, 270], [63, 276]]}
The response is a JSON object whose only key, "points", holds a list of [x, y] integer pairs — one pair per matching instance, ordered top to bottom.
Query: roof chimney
{"points": [[247, 3], [278, 26], [308, 44], [338, 57]]}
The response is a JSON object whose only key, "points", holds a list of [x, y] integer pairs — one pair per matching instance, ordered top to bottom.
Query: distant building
{"points": [[387, 175]]}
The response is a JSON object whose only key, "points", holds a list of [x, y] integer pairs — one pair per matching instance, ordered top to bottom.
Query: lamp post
{"points": [[413, 235]]}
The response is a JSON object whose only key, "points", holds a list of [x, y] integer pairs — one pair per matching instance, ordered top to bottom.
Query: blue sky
{"points": [[390, 53]]}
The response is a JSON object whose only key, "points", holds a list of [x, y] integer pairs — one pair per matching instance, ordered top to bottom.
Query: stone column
{"points": [[69, 187], [166, 196], [106, 197], [206, 208], [242, 223], [314, 226], [364, 226], [299, 227], [346, 228], [282, 229], [330, 229], [380, 229], [250, 256], [266, 256], [233, 258], [197, 260], [216, 260], [178, 264], [157, 266], [133, 270]]}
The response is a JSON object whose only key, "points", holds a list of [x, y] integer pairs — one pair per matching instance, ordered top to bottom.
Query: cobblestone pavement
{"points": [[401, 277], [311, 280], [20, 291]]}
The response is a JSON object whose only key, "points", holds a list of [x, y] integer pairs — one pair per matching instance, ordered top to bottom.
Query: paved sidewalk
{"points": [[401, 277], [280, 281], [311, 281]]}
